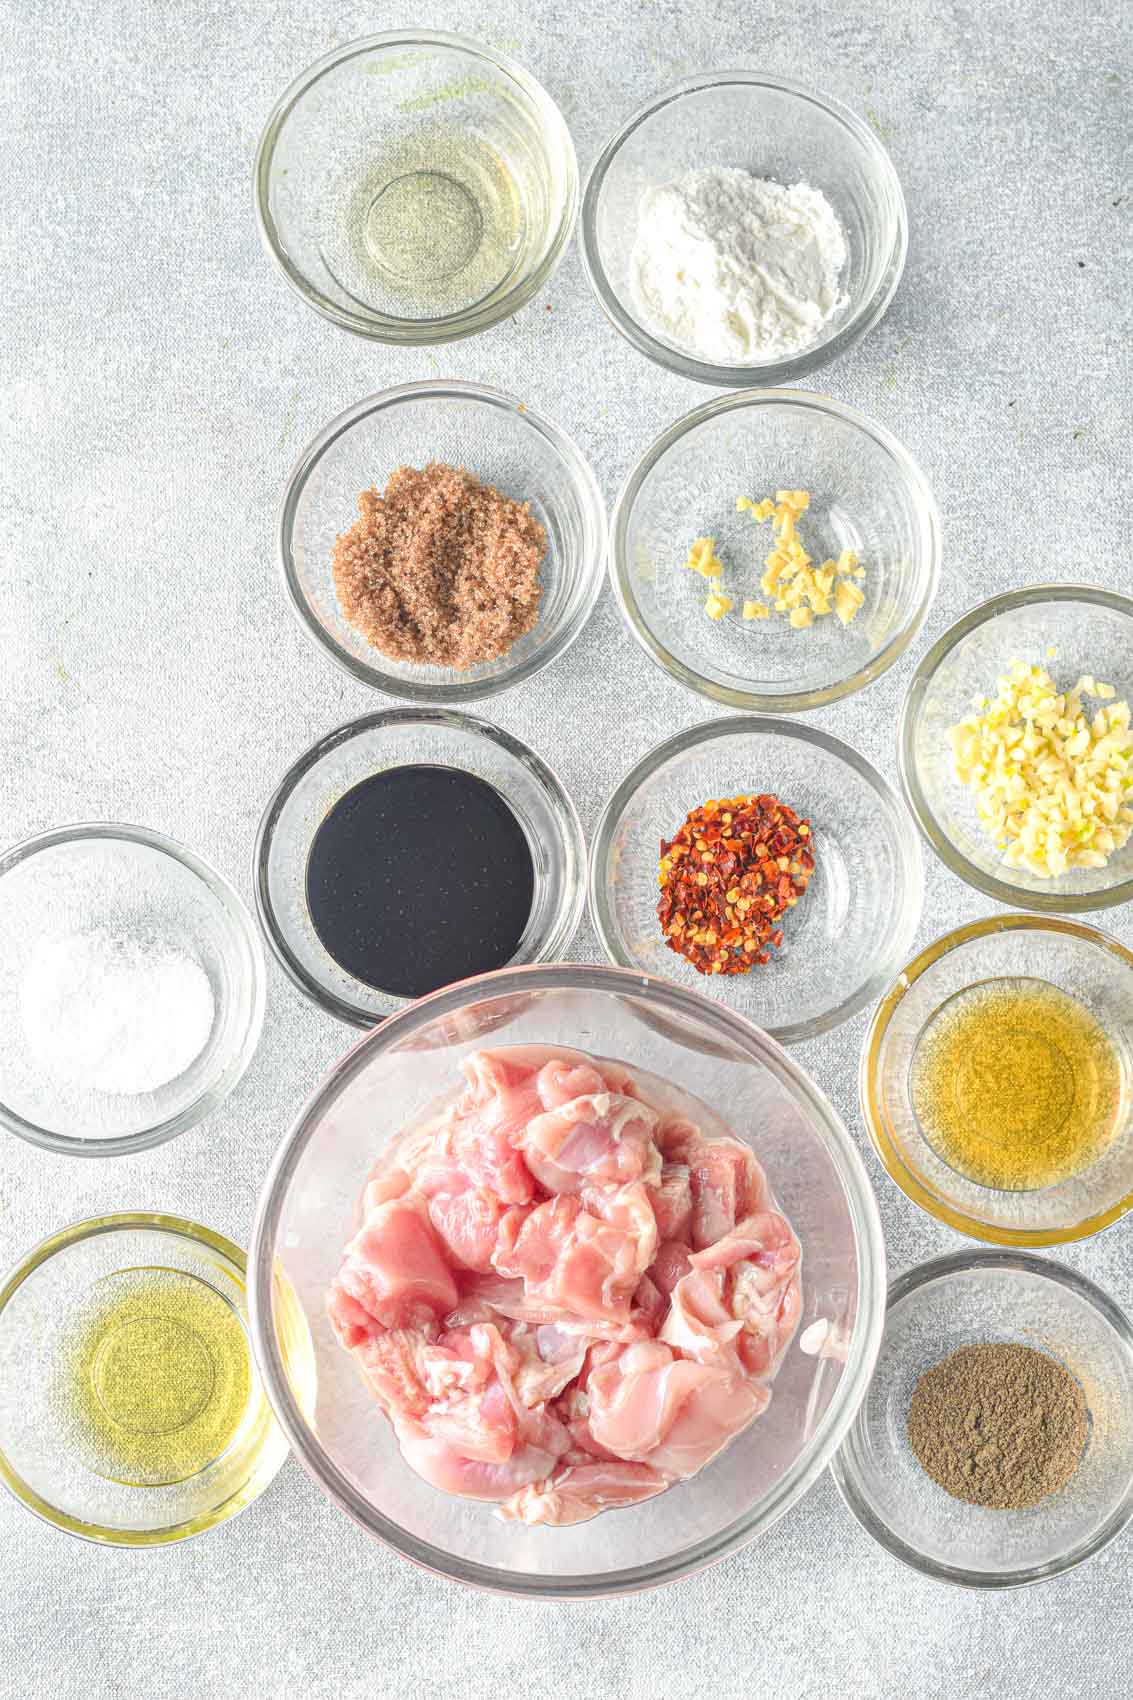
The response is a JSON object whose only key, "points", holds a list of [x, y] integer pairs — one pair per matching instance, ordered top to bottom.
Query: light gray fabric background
{"points": [[157, 381]]}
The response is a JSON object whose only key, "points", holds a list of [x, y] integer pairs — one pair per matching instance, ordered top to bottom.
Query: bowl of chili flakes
{"points": [[765, 863]]}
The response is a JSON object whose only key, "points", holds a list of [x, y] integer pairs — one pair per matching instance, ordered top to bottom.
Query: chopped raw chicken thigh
{"points": [[564, 1299]]}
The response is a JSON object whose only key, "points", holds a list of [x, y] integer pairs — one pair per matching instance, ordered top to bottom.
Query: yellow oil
{"points": [[1016, 1085], [160, 1377]]}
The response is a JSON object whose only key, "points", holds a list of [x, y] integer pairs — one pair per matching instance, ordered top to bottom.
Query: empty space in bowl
{"points": [[781, 133], [415, 181], [496, 440], [863, 498], [1088, 637], [403, 738], [127, 887], [850, 928], [1083, 965], [308, 1218], [1015, 1302]]}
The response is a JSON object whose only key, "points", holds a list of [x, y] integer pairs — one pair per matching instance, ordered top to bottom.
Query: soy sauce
{"points": [[420, 876]]}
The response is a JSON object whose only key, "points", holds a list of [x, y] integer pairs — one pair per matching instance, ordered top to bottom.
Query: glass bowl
{"points": [[773, 128], [416, 187], [502, 442], [867, 495], [1070, 630], [397, 738], [101, 875], [856, 921], [1085, 964], [308, 1204], [971, 1298], [49, 1458]]}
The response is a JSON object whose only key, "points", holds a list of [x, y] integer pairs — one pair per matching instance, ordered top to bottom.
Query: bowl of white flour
{"points": [[741, 229]]}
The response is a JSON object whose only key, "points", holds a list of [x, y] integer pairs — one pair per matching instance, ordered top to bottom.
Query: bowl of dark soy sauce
{"points": [[412, 849]]}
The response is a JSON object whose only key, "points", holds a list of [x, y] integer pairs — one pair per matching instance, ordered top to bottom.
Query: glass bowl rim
{"points": [[388, 328], [789, 367], [585, 487], [783, 701], [706, 732], [1038, 902], [236, 910], [568, 913], [907, 1180], [861, 1206], [94, 1227], [847, 1478]]}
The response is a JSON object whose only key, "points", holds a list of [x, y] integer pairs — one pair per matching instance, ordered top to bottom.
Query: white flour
{"points": [[734, 268]]}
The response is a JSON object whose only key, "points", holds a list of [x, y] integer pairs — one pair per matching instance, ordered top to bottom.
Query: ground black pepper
{"points": [[1000, 1425]]}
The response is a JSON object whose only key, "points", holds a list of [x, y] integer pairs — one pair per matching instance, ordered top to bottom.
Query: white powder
{"points": [[734, 268], [111, 1012]]}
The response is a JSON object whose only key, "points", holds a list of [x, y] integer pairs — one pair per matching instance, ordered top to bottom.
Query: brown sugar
{"points": [[441, 568]]}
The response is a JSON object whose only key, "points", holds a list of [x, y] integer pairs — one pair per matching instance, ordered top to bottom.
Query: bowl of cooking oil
{"points": [[416, 187], [995, 1080], [131, 1412]]}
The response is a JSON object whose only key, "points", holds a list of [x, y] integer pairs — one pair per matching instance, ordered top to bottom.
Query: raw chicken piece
{"points": [[601, 1137], [671, 1198], [573, 1260], [760, 1261], [395, 1269], [564, 1298], [652, 1406], [582, 1491]]}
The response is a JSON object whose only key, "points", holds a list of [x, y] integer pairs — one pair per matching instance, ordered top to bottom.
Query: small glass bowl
{"points": [[416, 126], [774, 128], [502, 442], [867, 494], [1070, 630], [400, 737], [123, 877], [859, 914], [1085, 964], [310, 1196], [973, 1298], [45, 1459]]}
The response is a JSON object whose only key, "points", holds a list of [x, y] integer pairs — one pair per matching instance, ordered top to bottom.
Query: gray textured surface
{"points": [[158, 379]]}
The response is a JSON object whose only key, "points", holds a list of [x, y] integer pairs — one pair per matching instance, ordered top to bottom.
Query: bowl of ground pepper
{"points": [[442, 541], [995, 1444]]}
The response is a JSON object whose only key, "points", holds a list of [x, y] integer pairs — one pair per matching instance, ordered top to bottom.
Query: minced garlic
{"points": [[702, 558], [799, 589], [717, 605], [756, 611], [1053, 784]]}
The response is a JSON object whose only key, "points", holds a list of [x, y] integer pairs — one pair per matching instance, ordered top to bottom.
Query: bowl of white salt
{"points": [[741, 229], [131, 989]]}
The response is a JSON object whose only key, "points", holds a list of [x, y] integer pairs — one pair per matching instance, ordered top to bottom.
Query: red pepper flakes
{"points": [[733, 869]]}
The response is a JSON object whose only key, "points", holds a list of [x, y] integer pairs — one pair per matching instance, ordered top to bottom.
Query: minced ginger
{"points": [[792, 585], [1053, 784]]}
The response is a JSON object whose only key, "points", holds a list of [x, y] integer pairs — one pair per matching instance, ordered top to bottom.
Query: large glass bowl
{"points": [[773, 128], [415, 187], [501, 441], [867, 495], [1071, 630], [307, 1208]]}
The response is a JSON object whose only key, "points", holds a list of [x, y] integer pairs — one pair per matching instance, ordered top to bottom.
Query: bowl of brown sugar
{"points": [[442, 541], [995, 1444]]}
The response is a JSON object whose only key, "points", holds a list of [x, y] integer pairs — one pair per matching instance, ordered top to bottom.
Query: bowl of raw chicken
{"points": [[593, 1275]]}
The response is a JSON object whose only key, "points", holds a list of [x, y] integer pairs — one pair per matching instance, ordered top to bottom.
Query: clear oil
{"points": [[428, 230], [1016, 1085], [159, 1378]]}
